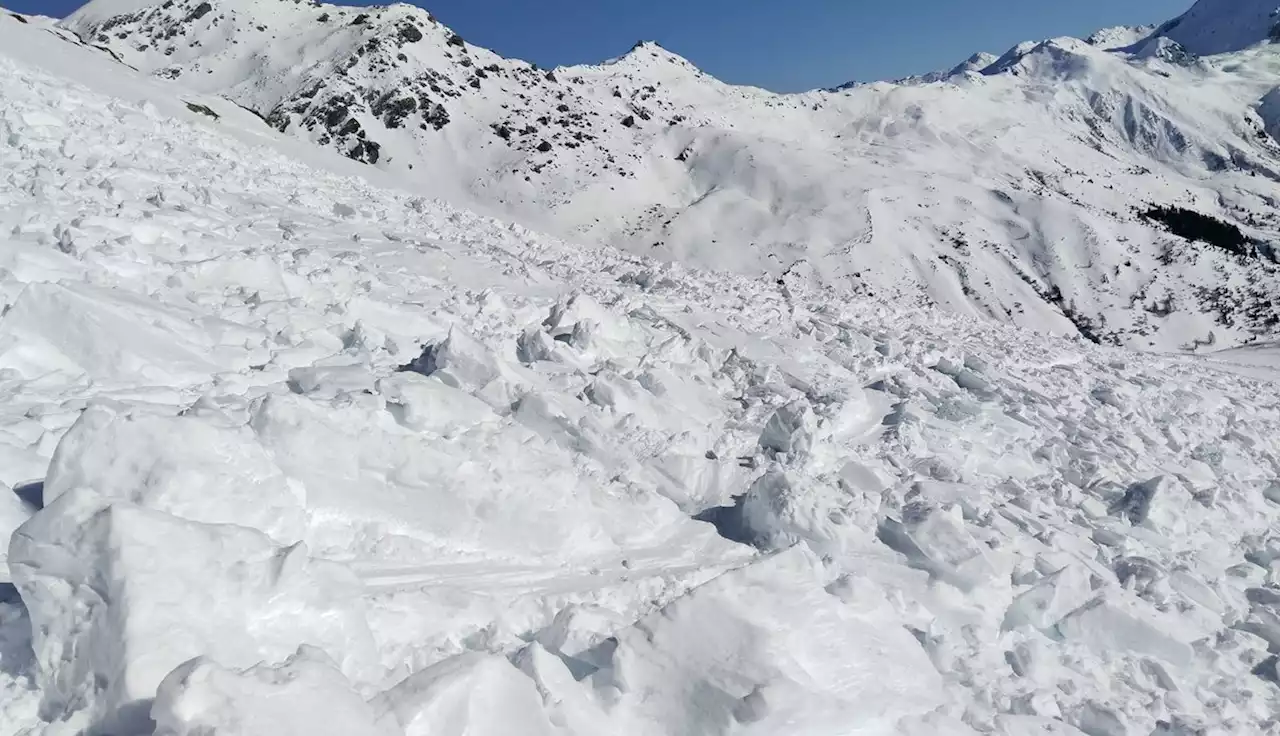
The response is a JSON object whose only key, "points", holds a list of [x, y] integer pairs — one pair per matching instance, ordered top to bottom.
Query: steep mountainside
{"points": [[1222, 26], [1014, 189]]}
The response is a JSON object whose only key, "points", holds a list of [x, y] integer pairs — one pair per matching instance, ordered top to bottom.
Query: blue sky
{"points": [[785, 45]]}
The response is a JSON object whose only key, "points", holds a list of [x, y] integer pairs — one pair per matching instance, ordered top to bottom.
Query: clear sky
{"points": [[786, 45]]}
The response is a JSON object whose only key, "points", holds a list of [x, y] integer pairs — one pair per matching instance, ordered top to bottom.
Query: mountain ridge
{"points": [[646, 152]]}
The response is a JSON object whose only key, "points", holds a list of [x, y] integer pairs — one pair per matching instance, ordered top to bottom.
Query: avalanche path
{"points": [[295, 453]]}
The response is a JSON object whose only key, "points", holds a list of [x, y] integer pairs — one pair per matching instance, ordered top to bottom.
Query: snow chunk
{"points": [[583, 323], [107, 334], [459, 360], [331, 381], [429, 404], [790, 429], [197, 467], [496, 486], [1135, 505], [780, 510], [936, 540], [119, 595], [1051, 598], [1112, 622], [577, 629], [767, 649], [473, 694], [305, 695], [567, 703], [1007, 725]]}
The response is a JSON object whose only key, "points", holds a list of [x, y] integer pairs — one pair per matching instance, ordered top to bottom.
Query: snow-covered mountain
{"points": [[1222, 26], [1012, 188], [287, 449]]}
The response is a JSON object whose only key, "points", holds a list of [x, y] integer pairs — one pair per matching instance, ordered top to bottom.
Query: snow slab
{"points": [[119, 595], [727, 658], [302, 696]]}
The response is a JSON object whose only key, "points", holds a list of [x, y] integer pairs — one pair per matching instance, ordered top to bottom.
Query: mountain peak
{"points": [[1221, 26], [651, 54]]}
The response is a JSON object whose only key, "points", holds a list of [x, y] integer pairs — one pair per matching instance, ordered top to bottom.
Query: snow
{"points": [[1221, 26], [1118, 37], [1006, 188], [317, 454], [117, 608], [752, 652], [305, 694], [474, 694]]}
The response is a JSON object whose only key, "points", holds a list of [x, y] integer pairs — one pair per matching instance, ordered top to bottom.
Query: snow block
{"points": [[587, 325], [107, 334], [459, 360], [331, 381], [427, 404], [790, 429], [200, 468], [696, 481], [497, 486], [1272, 492], [1135, 505], [780, 510], [13, 512], [936, 540], [119, 595], [1051, 598], [1111, 623], [577, 629], [766, 649], [472, 694], [306, 695], [568, 703], [1009, 725]]}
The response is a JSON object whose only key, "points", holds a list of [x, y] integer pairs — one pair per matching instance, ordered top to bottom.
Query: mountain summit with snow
{"points": [[1223, 26], [289, 448]]}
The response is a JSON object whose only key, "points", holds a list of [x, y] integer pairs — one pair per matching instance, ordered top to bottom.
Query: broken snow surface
{"points": [[287, 452]]}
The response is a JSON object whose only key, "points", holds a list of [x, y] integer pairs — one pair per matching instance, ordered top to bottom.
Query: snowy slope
{"points": [[1222, 26], [1118, 37], [1013, 194], [322, 456]]}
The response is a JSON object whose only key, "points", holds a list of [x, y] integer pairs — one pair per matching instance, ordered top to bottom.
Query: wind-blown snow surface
{"points": [[1008, 188], [324, 457]]}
